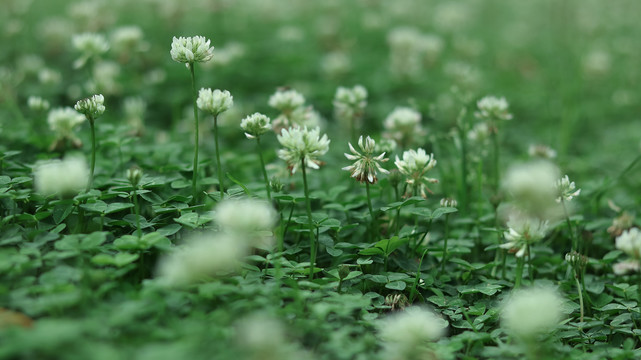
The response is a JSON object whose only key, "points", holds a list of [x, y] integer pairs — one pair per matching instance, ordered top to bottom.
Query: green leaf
{"points": [[193, 219], [384, 247], [396, 285]]}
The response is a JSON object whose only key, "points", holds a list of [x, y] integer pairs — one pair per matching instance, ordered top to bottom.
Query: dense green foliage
{"points": [[77, 281]]}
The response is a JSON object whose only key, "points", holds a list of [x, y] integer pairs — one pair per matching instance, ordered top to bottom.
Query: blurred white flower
{"points": [[88, 45], [286, 101], [38, 104], [349, 104], [493, 108], [63, 121], [403, 125], [541, 151], [61, 177], [532, 188], [248, 218], [630, 242], [202, 256], [528, 313], [407, 332]]}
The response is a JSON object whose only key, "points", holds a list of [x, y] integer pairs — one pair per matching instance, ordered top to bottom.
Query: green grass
{"points": [[77, 282]]}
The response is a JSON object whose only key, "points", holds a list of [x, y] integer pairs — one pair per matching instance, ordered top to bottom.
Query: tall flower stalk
{"points": [[190, 50], [216, 102], [92, 108], [254, 126], [302, 147], [134, 174]]}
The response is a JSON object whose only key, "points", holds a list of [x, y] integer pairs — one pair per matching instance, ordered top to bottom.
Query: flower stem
{"points": [[93, 152], [218, 164], [262, 164], [495, 169], [194, 179], [137, 211], [371, 211], [398, 212], [569, 224], [447, 234], [312, 241], [520, 261], [529, 265], [580, 291]]}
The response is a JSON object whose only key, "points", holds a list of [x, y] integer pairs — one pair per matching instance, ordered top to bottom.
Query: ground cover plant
{"points": [[267, 179]]}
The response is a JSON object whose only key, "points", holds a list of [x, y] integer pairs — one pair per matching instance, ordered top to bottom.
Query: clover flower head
{"points": [[127, 38], [90, 43], [193, 49], [286, 100], [214, 102], [36, 103], [349, 103], [91, 107], [493, 108], [62, 121], [403, 124], [255, 125], [479, 134], [301, 145], [386, 145], [541, 151], [366, 165], [414, 165], [134, 174], [61, 177], [532, 187], [566, 190], [448, 202], [251, 219], [621, 223], [522, 232], [630, 243], [201, 256], [577, 260], [626, 267], [528, 313], [407, 331]]}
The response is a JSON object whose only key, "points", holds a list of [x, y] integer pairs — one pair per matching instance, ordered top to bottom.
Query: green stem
{"points": [[463, 138], [93, 152], [218, 164], [262, 164], [495, 170], [194, 179], [137, 211], [371, 211], [398, 212], [569, 224], [447, 234], [312, 241], [520, 262], [530, 270], [580, 291], [413, 292]]}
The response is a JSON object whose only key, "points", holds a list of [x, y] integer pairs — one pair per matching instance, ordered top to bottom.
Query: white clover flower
{"points": [[128, 38], [89, 45], [191, 49], [410, 51], [335, 64], [49, 76], [105, 78], [286, 101], [214, 102], [36, 103], [349, 104], [91, 107], [493, 108], [134, 109], [63, 121], [403, 124], [255, 125], [479, 134], [301, 145], [386, 145], [541, 151], [366, 165], [414, 165], [134, 175], [64, 178], [532, 187], [566, 190], [447, 202], [249, 218], [522, 232], [630, 242], [200, 257], [626, 267], [528, 313], [406, 332], [263, 337]]}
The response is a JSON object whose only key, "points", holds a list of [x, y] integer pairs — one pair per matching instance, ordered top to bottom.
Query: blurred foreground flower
{"points": [[63, 178], [248, 218], [200, 257], [532, 312], [406, 334]]}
